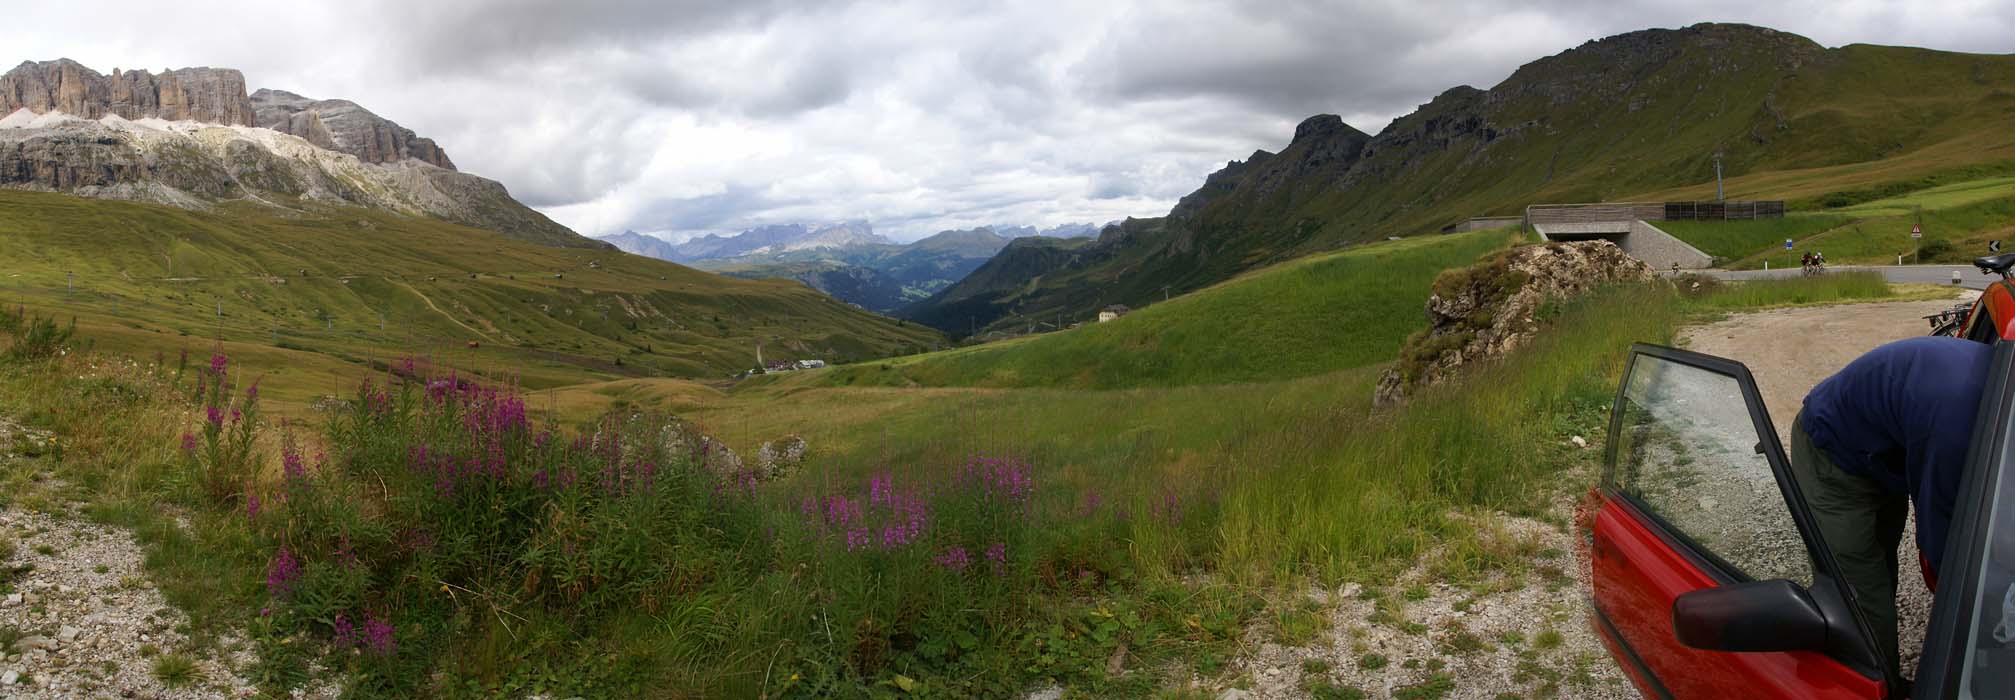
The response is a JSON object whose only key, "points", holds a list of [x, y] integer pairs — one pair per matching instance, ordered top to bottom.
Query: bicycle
{"points": [[1996, 305]]}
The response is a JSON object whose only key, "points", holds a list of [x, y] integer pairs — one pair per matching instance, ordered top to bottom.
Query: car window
{"points": [[1687, 449], [1989, 671]]}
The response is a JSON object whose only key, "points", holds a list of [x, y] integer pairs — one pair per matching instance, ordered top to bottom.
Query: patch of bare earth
{"points": [[79, 617], [1517, 628]]}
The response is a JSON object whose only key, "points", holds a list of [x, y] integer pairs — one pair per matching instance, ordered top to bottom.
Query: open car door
{"points": [[1702, 556], [1969, 650]]}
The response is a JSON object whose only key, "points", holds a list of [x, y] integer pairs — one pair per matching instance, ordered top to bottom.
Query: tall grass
{"points": [[1827, 288]]}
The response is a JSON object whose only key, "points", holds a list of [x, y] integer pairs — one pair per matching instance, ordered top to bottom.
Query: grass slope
{"points": [[316, 299], [1316, 315], [1151, 517]]}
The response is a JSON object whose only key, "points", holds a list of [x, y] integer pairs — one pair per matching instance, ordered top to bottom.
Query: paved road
{"points": [[1969, 276]]}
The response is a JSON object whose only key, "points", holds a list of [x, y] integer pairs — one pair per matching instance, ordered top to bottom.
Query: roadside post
{"points": [[1916, 242]]}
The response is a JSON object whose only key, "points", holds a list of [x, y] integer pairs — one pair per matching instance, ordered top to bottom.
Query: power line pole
{"points": [[1717, 178]]}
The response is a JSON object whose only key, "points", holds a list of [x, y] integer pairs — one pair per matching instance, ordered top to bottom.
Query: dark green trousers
{"points": [[1863, 524]]}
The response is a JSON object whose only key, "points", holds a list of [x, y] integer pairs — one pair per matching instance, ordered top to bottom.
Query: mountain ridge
{"points": [[1636, 114], [193, 138]]}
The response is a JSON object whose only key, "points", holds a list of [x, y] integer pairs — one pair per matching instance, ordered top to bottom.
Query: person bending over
{"points": [[1890, 430]]}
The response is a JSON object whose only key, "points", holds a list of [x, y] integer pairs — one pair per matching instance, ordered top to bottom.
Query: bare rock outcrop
{"points": [[213, 95], [342, 125], [1482, 312], [780, 457]]}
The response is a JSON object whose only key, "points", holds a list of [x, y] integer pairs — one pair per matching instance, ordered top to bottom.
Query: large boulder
{"points": [[1482, 312], [780, 457]]}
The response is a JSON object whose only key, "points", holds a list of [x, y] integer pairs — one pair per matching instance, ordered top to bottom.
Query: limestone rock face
{"points": [[214, 95], [345, 126], [191, 137], [1483, 312], [780, 457]]}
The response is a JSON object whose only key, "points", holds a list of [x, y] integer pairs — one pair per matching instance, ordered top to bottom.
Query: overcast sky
{"points": [[684, 116]]}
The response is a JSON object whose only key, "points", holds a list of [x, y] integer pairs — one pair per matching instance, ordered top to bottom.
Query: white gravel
{"points": [[79, 617]]}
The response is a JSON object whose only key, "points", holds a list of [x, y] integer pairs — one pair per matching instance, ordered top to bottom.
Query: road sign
{"points": [[1916, 231], [1787, 244], [1993, 246]]}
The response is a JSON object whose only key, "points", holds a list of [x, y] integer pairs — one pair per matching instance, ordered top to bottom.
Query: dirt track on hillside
{"points": [[1792, 350]]}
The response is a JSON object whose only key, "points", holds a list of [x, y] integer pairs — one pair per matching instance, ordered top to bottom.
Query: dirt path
{"points": [[451, 317], [1792, 350], [79, 617]]}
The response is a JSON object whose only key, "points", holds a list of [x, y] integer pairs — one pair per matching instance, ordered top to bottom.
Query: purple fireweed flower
{"points": [[218, 362], [252, 392], [215, 416], [236, 416], [188, 442], [290, 464], [251, 506], [857, 539], [997, 556], [954, 559], [281, 573], [345, 634], [377, 636]]}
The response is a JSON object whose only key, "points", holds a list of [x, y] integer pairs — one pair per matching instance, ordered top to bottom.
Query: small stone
{"points": [[1579, 441], [1350, 590], [13, 600], [68, 633], [145, 638], [34, 642], [10, 678], [1235, 694]]}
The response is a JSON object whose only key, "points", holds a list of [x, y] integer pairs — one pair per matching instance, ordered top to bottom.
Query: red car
{"points": [[1710, 580]]}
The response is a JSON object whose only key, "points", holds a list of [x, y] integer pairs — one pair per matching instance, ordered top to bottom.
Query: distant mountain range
{"points": [[1635, 117], [192, 138], [848, 261]]}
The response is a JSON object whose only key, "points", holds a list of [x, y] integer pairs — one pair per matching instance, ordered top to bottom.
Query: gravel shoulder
{"points": [[79, 617]]}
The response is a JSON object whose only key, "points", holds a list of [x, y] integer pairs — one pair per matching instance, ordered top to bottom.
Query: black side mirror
{"points": [[1775, 615]]}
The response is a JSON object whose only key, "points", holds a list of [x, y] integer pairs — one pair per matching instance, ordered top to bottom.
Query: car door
{"points": [[1696, 497], [1969, 649]]}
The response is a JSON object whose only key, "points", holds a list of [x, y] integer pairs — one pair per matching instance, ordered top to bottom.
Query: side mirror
{"points": [[1775, 615]]}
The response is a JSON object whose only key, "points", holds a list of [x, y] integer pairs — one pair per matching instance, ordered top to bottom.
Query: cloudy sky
{"points": [[677, 117]]}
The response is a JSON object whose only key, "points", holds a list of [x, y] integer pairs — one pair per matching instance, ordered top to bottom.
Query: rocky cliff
{"points": [[214, 95], [342, 125], [192, 138]]}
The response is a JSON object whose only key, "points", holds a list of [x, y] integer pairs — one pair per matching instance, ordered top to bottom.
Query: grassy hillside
{"points": [[1633, 117], [318, 299], [1320, 314]]}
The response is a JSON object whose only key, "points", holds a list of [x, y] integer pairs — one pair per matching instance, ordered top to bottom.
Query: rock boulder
{"points": [[1482, 312]]}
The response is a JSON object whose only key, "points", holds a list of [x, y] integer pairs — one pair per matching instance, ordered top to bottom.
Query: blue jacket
{"points": [[1902, 415]]}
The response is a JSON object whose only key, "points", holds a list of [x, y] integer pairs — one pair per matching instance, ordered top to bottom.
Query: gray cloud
{"points": [[689, 116]]}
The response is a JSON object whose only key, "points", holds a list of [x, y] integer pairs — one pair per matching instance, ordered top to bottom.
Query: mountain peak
{"points": [[342, 125]]}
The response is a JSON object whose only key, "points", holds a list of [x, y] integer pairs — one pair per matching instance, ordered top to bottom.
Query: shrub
{"points": [[35, 336]]}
